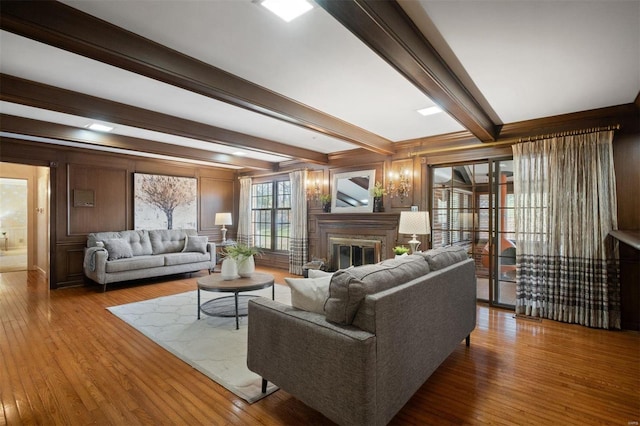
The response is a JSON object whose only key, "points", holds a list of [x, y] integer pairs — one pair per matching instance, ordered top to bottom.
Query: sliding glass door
{"points": [[472, 206]]}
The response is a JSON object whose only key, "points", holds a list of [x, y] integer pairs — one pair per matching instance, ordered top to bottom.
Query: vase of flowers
{"points": [[378, 192], [243, 256], [229, 269]]}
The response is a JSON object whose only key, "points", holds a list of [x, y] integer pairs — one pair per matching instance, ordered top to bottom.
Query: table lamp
{"points": [[223, 219], [414, 223]]}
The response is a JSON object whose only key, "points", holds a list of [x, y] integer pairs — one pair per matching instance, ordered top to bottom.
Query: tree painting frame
{"points": [[165, 202]]}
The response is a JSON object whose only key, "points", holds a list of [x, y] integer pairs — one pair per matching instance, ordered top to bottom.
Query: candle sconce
{"points": [[399, 185]]}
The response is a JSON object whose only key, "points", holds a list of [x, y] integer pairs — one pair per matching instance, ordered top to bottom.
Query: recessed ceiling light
{"points": [[287, 10], [429, 111], [99, 127], [240, 154]]}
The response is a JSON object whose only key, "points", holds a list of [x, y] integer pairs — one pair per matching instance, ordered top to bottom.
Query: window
{"points": [[270, 214]]}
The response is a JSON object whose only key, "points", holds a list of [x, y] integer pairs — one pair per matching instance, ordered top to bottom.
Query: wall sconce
{"points": [[402, 188], [313, 193], [223, 219]]}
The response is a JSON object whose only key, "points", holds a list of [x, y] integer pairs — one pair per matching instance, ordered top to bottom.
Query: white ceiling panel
{"points": [[312, 59], [534, 59], [35, 61]]}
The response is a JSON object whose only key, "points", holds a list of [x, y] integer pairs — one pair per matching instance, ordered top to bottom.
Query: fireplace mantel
{"points": [[381, 226]]}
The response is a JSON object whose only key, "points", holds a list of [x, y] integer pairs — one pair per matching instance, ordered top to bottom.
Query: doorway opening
{"points": [[24, 218]]}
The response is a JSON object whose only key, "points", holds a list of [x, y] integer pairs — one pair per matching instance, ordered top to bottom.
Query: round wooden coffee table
{"points": [[222, 306]]}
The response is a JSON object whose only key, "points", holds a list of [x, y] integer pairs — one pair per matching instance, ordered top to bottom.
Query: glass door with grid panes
{"points": [[466, 203]]}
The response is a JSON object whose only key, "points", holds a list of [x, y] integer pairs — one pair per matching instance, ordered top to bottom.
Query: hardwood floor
{"points": [[66, 360]]}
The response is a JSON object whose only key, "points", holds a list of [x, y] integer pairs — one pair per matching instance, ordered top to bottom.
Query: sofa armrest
{"points": [[211, 249], [95, 264], [311, 358]]}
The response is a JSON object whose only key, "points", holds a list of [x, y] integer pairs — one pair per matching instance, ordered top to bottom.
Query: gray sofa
{"points": [[130, 255], [384, 331]]}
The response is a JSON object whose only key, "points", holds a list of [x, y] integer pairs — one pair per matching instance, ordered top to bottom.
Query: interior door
{"points": [[472, 206]]}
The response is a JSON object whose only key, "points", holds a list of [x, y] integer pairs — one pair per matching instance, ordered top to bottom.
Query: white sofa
{"points": [[130, 255]]}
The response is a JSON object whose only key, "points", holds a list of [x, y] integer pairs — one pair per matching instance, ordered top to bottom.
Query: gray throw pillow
{"points": [[196, 244], [118, 248], [440, 258]]}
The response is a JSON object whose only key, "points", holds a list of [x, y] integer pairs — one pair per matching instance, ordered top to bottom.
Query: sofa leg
{"points": [[104, 287], [467, 340], [264, 385]]}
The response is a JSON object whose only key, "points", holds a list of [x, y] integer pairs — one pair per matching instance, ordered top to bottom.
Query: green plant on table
{"points": [[325, 198], [399, 250], [240, 252]]}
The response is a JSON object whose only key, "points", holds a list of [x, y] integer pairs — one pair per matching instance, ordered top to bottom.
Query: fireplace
{"points": [[361, 237], [347, 252]]}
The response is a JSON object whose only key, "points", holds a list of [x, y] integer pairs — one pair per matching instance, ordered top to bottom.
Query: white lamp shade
{"points": [[223, 219], [414, 223]]}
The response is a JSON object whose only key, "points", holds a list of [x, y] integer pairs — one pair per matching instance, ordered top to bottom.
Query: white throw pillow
{"points": [[317, 273], [309, 294]]}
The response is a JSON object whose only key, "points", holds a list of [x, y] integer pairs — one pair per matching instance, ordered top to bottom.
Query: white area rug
{"points": [[211, 345]]}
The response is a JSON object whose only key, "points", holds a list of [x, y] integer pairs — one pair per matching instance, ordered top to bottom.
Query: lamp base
{"points": [[224, 234], [414, 243]]}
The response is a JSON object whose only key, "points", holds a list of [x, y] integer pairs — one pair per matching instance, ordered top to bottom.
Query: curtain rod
{"points": [[570, 133], [512, 141], [273, 173]]}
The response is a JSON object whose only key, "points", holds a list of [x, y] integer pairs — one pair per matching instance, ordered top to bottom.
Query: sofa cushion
{"points": [[138, 240], [169, 240], [195, 244], [118, 248], [442, 257], [182, 258], [134, 263], [349, 286], [309, 294]]}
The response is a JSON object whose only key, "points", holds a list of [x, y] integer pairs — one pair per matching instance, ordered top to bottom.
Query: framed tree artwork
{"points": [[165, 202]]}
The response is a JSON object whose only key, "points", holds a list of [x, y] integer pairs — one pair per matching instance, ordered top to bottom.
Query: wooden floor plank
{"points": [[67, 360]]}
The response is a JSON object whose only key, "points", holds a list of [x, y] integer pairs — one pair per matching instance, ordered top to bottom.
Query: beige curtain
{"points": [[565, 199], [245, 230], [298, 236]]}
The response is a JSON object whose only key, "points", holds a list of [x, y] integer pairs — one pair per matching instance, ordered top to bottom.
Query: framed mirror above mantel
{"points": [[351, 191]]}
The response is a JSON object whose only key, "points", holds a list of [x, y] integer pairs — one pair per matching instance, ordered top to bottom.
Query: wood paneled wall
{"points": [[626, 152], [110, 177]]}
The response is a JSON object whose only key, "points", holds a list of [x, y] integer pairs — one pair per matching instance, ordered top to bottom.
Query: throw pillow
{"points": [[196, 244], [118, 248], [440, 258], [317, 273], [309, 294]]}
